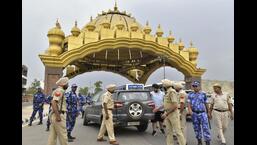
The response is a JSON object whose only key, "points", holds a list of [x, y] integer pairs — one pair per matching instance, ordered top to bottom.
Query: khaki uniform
{"points": [[182, 96], [221, 113], [172, 120], [107, 124], [58, 129]]}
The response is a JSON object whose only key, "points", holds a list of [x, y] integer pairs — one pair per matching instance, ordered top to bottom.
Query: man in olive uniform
{"points": [[182, 96], [221, 103], [58, 114], [171, 114], [107, 122]]}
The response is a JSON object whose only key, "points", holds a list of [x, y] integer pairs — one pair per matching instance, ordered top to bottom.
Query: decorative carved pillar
{"points": [[52, 75]]}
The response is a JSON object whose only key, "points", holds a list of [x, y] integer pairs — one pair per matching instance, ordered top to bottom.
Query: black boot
{"points": [[30, 123], [39, 123], [71, 137], [199, 142], [207, 142]]}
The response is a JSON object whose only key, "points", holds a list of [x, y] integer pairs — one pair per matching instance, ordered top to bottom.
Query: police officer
{"points": [[182, 96], [89, 99], [48, 101], [82, 102], [221, 103], [38, 105], [197, 107], [72, 111], [58, 114], [171, 114], [107, 121]]}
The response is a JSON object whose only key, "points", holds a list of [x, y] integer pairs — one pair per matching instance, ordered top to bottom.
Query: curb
{"points": [[25, 121]]}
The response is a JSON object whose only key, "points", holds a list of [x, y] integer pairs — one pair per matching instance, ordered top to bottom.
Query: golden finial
{"points": [[115, 6], [91, 18], [76, 23], [147, 23], [58, 24], [159, 31], [170, 37], [180, 40], [191, 43]]}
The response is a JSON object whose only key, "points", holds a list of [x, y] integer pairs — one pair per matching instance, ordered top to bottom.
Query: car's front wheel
{"points": [[86, 121], [142, 127]]}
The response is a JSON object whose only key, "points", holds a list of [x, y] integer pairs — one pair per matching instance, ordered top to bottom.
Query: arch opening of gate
{"points": [[115, 42]]}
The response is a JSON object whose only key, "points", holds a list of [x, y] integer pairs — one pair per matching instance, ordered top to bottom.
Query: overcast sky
{"points": [[208, 23]]}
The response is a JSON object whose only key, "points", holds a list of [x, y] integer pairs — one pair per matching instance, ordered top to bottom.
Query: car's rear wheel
{"points": [[86, 121], [142, 127]]}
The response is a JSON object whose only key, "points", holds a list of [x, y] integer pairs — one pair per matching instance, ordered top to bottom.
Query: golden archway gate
{"points": [[115, 42]]}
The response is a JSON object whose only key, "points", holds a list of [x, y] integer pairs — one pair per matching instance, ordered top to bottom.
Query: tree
{"points": [[98, 86], [33, 87], [83, 91]]}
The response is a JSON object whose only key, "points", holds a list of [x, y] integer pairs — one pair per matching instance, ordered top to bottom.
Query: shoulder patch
{"points": [[57, 93]]}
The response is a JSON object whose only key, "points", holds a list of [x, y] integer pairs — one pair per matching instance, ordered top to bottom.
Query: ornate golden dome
{"points": [[114, 17], [90, 26], [147, 28], [56, 30], [75, 30], [159, 31], [171, 38], [181, 45], [192, 49]]}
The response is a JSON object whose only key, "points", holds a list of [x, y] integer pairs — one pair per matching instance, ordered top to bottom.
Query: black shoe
{"points": [[39, 123], [30, 124], [47, 129], [162, 130], [154, 133], [72, 137], [70, 140], [199, 142], [207, 142], [223, 143]]}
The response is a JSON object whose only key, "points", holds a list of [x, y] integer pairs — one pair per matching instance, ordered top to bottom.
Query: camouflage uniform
{"points": [[38, 102], [199, 116]]}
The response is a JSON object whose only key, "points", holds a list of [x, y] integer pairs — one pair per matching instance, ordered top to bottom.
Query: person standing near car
{"points": [[182, 96], [157, 97], [82, 102], [221, 103], [197, 108], [72, 111], [171, 114], [107, 120]]}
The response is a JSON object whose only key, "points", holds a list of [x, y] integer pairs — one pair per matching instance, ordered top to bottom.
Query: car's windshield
{"points": [[123, 96]]}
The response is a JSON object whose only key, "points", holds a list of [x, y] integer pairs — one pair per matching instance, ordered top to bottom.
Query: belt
{"points": [[184, 108], [110, 109], [220, 110], [198, 111], [62, 112]]}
